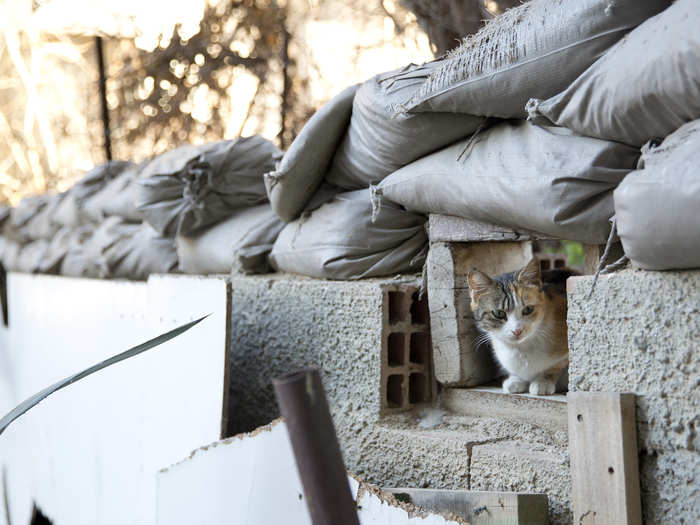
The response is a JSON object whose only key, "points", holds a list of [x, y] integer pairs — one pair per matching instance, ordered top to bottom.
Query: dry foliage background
{"points": [[218, 69]]}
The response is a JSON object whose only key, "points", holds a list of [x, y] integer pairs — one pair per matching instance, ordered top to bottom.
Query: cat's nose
{"points": [[517, 332]]}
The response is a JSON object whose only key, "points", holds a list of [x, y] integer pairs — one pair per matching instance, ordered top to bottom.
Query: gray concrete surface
{"points": [[640, 332]]}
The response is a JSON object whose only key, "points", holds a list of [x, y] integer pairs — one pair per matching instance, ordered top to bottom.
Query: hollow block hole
{"points": [[559, 263], [545, 264], [397, 309], [419, 309], [419, 348], [396, 349], [418, 388], [394, 391]]}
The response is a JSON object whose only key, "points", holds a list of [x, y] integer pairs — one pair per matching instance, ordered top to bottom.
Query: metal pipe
{"points": [[103, 96], [303, 405]]}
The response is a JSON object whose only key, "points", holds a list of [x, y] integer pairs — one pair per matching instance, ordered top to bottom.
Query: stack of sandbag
{"points": [[531, 51], [645, 87], [520, 175], [191, 187], [117, 198], [658, 206], [71, 211], [338, 240], [241, 243], [118, 249]]}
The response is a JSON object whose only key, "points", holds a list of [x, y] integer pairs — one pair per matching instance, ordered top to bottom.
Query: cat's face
{"points": [[509, 307]]}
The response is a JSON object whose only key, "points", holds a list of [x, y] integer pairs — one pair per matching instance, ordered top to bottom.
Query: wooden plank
{"points": [[448, 228], [604, 462], [480, 508]]}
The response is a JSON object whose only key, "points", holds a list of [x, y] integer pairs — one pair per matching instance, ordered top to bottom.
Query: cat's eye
{"points": [[528, 310], [499, 314]]}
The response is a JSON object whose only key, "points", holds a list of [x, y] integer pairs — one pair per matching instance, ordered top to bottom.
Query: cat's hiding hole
{"points": [[396, 349], [394, 391]]}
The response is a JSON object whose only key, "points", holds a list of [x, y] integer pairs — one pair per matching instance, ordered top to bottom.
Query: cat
{"points": [[523, 315]]}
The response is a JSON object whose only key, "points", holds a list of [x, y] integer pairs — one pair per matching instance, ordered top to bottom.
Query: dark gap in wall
{"points": [[3, 296], [396, 307], [419, 309], [395, 347], [420, 347], [418, 390], [394, 391]]}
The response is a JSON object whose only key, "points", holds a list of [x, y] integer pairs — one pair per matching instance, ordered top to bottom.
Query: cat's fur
{"points": [[531, 346]]}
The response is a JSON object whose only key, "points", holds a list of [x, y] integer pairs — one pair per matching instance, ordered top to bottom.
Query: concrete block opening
{"points": [[419, 309], [398, 310], [419, 348], [396, 349], [418, 388], [394, 391]]}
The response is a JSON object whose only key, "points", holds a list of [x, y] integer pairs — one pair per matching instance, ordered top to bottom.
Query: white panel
{"points": [[89, 454], [252, 479]]}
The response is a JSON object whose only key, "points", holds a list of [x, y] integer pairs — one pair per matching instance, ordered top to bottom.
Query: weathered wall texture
{"points": [[280, 323], [640, 332]]}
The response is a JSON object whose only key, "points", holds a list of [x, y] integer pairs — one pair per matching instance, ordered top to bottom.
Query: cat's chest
{"points": [[526, 363]]}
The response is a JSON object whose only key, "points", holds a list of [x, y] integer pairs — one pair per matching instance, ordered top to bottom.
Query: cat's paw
{"points": [[514, 385], [543, 387]]}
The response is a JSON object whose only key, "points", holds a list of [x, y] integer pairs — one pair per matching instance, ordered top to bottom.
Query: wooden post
{"points": [[604, 462]]}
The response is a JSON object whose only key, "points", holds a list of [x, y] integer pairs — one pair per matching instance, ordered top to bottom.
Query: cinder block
{"points": [[406, 371]]}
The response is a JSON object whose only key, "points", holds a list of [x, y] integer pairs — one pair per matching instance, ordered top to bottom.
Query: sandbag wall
{"points": [[532, 123]]}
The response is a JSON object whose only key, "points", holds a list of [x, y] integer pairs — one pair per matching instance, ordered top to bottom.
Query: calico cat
{"points": [[523, 315]]}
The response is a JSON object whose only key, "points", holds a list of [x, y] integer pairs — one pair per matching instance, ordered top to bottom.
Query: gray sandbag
{"points": [[531, 51], [644, 88], [378, 142], [301, 170], [519, 175], [195, 186], [116, 198], [658, 207], [70, 210], [29, 218], [42, 225], [339, 240], [242, 242], [59, 245], [121, 250], [9, 252], [139, 252], [30, 256]]}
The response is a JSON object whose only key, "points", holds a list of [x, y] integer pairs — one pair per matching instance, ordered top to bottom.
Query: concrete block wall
{"points": [[281, 322], [640, 333]]}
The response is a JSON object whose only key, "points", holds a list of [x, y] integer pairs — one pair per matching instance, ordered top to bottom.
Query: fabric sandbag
{"points": [[531, 51], [644, 88], [378, 142], [301, 170], [520, 175], [191, 187], [116, 198], [658, 207], [70, 211], [32, 218], [339, 240], [242, 242], [58, 247], [140, 251], [9, 252], [30, 256]]}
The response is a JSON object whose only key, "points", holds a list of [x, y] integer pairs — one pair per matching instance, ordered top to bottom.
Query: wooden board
{"points": [[604, 462], [480, 508]]}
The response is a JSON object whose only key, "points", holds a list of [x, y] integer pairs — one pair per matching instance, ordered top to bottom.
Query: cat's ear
{"points": [[530, 274], [479, 282]]}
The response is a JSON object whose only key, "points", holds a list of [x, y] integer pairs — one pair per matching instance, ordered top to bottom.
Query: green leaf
{"points": [[46, 392]]}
